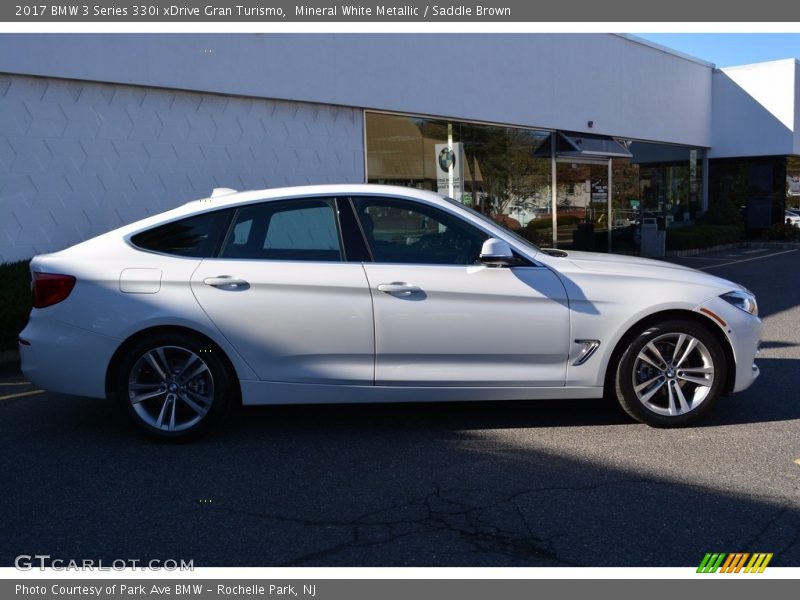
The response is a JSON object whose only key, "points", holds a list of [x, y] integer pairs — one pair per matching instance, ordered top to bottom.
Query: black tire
{"points": [[705, 362], [185, 407]]}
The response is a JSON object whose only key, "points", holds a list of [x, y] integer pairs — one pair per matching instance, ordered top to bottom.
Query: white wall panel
{"points": [[558, 81], [755, 110], [80, 158]]}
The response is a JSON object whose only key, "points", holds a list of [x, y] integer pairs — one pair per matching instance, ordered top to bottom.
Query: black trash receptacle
{"points": [[583, 236]]}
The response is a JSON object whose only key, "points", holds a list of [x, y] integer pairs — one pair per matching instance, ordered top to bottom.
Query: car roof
{"points": [[228, 198], [232, 198]]}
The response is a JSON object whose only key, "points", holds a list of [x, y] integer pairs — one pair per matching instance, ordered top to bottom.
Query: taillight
{"points": [[50, 288]]}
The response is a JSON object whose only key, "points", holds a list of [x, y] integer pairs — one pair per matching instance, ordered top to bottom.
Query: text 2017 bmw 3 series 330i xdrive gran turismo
{"points": [[365, 293]]}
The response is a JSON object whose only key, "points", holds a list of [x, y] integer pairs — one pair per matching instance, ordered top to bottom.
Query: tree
{"points": [[512, 173]]}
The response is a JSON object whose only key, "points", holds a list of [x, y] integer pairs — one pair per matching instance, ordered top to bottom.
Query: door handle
{"points": [[226, 281], [401, 289]]}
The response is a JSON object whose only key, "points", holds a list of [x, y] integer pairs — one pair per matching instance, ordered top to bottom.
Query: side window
{"points": [[286, 230], [403, 231], [198, 236]]}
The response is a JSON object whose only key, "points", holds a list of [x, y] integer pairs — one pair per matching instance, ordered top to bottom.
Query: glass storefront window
{"points": [[503, 172], [506, 173], [670, 180], [793, 182], [755, 187]]}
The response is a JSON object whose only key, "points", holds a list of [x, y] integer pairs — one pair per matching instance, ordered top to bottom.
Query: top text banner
{"points": [[266, 11]]}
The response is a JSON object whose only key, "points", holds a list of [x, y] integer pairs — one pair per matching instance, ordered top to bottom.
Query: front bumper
{"points": [[744, 334]]}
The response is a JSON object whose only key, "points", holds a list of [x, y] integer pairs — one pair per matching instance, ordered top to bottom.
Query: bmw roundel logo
{"points": [[447, 159]]}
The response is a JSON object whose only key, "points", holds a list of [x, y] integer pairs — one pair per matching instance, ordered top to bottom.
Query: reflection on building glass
{"points": [[511, 174], [754, 186]]}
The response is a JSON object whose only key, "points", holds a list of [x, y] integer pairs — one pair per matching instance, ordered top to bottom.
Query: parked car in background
{"points": [[792, 217], [366, 293]]}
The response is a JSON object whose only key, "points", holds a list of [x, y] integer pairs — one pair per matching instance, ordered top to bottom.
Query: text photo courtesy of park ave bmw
{"points": [[161, 590]]}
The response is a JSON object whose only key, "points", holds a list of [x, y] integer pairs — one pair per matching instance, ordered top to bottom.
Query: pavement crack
{"points": [[775, 518], [489, 521]]}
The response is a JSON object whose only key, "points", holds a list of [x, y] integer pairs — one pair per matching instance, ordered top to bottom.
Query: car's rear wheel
{"points": [[671, 374], [174, 386]]}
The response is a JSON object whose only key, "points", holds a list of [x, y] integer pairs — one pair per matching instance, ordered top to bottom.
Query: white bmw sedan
{"points": [[364, 293]]}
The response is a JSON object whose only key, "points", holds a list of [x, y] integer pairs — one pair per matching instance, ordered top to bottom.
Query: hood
{"points": [[620, 265]]}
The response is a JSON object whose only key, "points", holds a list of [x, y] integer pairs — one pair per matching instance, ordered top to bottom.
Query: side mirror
{"points": [[497, 253]]}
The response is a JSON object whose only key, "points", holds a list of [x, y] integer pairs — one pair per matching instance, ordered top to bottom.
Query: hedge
{"points": [[546, 222], [783, 232], [702, 236], [15, 301]]}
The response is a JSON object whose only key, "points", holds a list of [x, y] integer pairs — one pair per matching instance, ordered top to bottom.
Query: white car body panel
{"points": [[624, 290], [98, 317], [298, 322], [471, 325], [744, 343], [456, 344], [57, 351]]}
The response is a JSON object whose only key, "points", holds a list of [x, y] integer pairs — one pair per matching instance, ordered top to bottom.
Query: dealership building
{"points": [[553, 129]]}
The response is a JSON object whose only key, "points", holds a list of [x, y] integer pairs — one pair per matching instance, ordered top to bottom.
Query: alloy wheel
{"points": [[673, 374], [170, 388]]}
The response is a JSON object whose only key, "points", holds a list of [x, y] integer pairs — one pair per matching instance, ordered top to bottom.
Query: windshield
{"points": [[486, 219]]}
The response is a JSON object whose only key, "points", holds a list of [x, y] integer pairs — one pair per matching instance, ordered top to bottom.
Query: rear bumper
{"points": [[66, 359]]}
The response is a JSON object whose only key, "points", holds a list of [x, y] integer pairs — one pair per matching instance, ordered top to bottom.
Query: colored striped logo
{"points": [[734, 562]]}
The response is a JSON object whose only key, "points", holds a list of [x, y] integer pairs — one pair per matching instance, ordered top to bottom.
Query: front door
{"points": [[442, 319]]}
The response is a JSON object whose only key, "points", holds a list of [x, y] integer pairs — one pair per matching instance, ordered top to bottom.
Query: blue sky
{"points": [[728, 49]]}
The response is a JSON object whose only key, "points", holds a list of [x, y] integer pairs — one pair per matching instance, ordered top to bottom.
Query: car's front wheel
{"points": [[671, 374], [174, 386]]}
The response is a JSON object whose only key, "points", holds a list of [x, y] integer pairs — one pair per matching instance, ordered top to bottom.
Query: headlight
{"points": [[742, 300]]}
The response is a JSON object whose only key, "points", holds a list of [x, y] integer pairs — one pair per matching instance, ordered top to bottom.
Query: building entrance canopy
{"points": [[581, 145]]}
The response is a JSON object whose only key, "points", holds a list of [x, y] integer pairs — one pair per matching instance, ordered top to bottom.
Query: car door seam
{"points": [[374, 328]]}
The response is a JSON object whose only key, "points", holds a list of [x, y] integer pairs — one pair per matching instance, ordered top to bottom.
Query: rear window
{"points": [[198, 236]]}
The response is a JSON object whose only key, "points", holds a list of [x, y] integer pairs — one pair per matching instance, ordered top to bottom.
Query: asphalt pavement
{"points": [[539, 483]]}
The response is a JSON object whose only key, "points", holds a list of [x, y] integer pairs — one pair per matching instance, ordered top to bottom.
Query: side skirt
{"points": [[267, 392]]}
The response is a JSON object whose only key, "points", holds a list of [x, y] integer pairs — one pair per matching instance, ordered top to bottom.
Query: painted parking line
{"points": [[728, 255], [705, 258], [736, 262], [11, 383], [21, 394]]}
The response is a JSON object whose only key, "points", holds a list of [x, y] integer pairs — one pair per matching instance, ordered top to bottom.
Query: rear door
{"points": [[284, 296]]}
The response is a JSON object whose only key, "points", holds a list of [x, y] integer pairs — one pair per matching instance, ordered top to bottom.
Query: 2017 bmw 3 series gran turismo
{"points": [[365, 293]]}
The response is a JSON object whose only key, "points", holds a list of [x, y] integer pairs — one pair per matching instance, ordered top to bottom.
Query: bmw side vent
{"points": [[589, 348]]}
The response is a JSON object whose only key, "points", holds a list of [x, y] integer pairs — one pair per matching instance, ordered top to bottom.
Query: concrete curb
{"points": [[749, 244], [775, 245], [695, 251]]}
